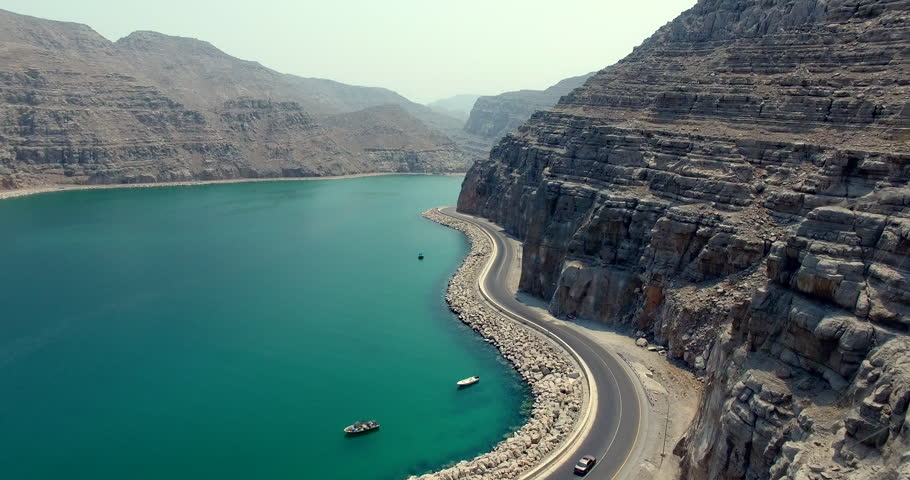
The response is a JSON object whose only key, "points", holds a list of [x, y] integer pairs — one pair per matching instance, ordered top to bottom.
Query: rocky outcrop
{"points": [[197, 73], [78, 109], [494, 116], [737, 189], [554, 378]]}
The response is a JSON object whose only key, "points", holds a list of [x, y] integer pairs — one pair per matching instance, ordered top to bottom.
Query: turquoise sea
{"points": [[232, 331]]}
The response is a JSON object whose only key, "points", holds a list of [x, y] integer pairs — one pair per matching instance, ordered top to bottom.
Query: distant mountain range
{"points": [[458, 106], [77, 108], [493, 117]]}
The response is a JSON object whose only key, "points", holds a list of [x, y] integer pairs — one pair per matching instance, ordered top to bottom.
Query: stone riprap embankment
{"points": [[555, 380]]}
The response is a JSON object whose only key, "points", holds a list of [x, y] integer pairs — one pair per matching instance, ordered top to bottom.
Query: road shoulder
{"points": [[669, 393]]}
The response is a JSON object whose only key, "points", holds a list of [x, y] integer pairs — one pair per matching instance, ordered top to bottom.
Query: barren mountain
{"points": [[197, 73], [200, 74], [77, 108], [494, 116], [389, 136], [737, 190]]}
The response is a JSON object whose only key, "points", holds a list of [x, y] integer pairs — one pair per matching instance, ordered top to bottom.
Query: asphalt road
{"points": [[618, 414]]}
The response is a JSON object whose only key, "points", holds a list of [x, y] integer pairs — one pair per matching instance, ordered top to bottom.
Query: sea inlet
{"points": [[231, 331]]}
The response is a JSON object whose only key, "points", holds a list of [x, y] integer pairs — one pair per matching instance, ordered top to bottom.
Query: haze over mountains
{"points": [[458, 106], [77, 108], [492, 117], [489, 118], [737, 190]]}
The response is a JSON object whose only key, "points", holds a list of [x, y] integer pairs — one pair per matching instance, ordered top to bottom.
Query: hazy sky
{"points": [[423, 49]]}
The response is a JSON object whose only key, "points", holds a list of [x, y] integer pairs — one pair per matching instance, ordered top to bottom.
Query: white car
{"points": [[584, 465]]}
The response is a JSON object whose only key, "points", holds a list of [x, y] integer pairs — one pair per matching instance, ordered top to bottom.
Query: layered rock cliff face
{"points": [[76, 108], [494, 116], [737, 188]]}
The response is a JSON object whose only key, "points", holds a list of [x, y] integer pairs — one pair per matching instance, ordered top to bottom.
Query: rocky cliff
{"points": [[198, 74], [77, 108], [494, 116], [737, 189]]}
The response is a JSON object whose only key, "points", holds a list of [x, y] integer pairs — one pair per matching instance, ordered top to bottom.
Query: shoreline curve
{"points": [[558, 382]]}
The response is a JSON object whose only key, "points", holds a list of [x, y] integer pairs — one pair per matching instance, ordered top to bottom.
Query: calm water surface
{"points": [[231, 331]]}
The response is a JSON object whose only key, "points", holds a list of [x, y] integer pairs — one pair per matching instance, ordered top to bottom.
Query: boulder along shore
{"points": [[554, 378]]}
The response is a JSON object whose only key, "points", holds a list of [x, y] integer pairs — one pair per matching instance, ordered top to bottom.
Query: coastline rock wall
{"points": [[737, 189], [554, 378]]}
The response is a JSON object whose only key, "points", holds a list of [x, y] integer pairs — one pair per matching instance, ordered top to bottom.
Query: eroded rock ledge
{"points": [[738, 190], [554, 378]]}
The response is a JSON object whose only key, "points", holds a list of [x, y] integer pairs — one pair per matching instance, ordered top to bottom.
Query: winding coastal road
{"points": [[617, 432]]}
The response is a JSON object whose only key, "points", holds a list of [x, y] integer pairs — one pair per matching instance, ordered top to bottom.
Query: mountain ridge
{"points": [[77, 108], [494, 116]]}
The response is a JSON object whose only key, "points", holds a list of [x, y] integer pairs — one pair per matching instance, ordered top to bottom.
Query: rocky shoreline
{"points": [[554, 378]]}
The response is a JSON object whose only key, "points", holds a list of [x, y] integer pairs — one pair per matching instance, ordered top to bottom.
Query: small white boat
{"points": [[468, 381]]}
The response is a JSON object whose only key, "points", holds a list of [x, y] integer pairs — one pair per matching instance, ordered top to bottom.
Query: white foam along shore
{"points": [[34, 190], [554, 378]]}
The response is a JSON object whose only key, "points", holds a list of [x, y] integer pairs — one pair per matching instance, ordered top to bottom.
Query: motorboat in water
{"points": [[468, 381], [361, 427]]}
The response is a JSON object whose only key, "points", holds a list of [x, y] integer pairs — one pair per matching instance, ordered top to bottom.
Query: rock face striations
{"points": [[76, 108], [494, 116], [737, 188]]}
